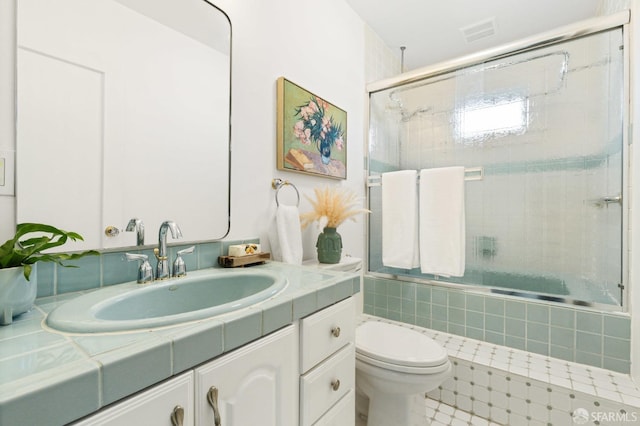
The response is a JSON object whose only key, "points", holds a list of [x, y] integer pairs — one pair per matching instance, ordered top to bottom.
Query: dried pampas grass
{"points": [[333, 205]]}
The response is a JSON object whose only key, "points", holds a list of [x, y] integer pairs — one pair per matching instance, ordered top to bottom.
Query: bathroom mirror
{"points": [[123, 111]]}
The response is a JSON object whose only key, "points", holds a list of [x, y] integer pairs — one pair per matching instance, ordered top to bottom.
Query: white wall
{"points": [[319, 48], [322, 50]]}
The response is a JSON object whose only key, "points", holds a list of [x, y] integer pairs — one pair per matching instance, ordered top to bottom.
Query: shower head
{"points": [[397, 105], [407, 116]]}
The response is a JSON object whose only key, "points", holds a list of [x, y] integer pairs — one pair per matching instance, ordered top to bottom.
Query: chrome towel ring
{"points": [[278, 184]]}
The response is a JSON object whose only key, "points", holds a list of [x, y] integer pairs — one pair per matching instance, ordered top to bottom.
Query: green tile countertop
{"points": [[52, 378]]}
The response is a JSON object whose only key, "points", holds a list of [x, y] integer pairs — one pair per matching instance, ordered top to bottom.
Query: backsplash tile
{"points": [[208, 254], [113, 268], [116, 269], [85, 275], [46, 279], [569, 333]]}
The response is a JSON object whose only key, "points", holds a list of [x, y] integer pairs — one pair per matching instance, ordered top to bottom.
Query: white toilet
{"points": [[395, 367]]}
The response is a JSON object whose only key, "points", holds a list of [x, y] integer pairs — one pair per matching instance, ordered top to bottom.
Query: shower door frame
{"points": [[566, 33]]}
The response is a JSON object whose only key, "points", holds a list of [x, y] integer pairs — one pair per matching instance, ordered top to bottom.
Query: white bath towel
{"points": [[400, 219], [442, 221], [285, 236]]}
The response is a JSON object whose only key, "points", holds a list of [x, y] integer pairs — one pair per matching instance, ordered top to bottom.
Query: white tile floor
{"points": [[514, 387], [441, 414]]}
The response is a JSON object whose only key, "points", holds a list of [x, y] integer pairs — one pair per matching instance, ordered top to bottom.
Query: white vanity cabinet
{"points": [[327, 366], [302, 374], [256, 384], [167, 404]]}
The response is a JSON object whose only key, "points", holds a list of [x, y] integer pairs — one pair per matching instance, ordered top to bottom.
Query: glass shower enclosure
{"points": [[541, 132]]}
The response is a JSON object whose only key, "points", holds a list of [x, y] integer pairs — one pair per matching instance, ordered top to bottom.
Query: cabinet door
{"points": [[256, 384], [153, 407]]}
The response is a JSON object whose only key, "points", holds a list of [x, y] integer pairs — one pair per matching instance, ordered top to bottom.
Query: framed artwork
{"points": [[312, 133]]}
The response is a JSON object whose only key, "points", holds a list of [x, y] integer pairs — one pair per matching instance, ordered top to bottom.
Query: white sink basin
{"points": [[133, 306]]}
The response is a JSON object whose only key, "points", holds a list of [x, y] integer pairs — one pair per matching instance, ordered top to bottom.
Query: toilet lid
{"points": [[398, 345]]}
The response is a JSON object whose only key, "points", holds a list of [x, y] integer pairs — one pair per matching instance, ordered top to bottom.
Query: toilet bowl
{"points": [[395, 367]]}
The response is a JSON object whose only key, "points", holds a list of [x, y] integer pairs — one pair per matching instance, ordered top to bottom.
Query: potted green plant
{"points": [[18, 259]]}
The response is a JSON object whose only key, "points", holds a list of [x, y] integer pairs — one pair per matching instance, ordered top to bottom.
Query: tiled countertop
{"points": [[52, 378]]}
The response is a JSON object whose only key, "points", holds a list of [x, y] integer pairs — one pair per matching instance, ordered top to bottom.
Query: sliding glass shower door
{"points": [[546, 127]]}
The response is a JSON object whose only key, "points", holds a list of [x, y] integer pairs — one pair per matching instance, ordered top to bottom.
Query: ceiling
{"points": [[431, 29]]}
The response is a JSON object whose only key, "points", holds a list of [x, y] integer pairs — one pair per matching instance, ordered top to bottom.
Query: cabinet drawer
{"points": [[324, 332], [326, 384], [151, 407], [341, 414]]}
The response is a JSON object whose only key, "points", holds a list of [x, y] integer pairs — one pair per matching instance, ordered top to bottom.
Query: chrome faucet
{"points": [[137, 225], [162, 271], [145, 272]]}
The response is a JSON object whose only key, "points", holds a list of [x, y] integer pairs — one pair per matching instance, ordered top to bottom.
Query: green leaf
{"points": [[16, 252]]}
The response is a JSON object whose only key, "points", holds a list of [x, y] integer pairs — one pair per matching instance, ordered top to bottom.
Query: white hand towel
{"points": [[400, 219], [442, 221], [285, 236]]}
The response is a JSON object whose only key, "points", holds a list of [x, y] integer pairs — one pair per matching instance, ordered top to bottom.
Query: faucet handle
{"points": [[179, 267], [145, 271]]}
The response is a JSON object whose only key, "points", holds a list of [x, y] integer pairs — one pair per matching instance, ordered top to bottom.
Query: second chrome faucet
{"points": [[162, 270]]}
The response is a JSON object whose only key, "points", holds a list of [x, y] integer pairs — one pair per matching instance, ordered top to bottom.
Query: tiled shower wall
{"points": [[381, 61], [565, 332]]}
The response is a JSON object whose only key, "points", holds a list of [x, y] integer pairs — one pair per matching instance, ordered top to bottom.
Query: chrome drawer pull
{"points": [[335, 332], [335, 385], [212, 398], [177, 416]]}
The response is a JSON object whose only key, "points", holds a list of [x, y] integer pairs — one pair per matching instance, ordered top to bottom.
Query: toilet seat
{"points": [[398, 348]]}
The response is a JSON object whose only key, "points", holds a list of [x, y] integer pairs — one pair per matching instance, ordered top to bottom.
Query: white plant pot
{"points": [[16, 293]]}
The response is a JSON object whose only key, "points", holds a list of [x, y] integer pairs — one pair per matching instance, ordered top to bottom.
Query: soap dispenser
{"points": [[179, 268]]}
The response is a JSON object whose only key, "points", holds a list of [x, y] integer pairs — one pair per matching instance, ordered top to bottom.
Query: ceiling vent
{"points": [[479, 30]]}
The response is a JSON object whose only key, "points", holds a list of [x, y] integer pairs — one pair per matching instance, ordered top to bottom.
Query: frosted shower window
{"points": [[492, 117], [546, 126]]}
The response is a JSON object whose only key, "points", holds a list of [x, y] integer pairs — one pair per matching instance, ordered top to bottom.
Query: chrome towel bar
{"points": [[470, 173]]}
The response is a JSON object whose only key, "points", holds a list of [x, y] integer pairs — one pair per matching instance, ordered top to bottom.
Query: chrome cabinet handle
{"points": [[335, 332], [335, 385], [212, 398], [177, 416]]}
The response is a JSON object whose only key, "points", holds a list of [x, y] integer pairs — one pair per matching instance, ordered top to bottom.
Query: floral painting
{"points": [[312, 133]]}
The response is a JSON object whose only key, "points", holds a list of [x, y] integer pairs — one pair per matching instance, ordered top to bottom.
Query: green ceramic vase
{"points": [[329, 246]]}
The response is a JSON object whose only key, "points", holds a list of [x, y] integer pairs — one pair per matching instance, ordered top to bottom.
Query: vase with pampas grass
{"points": [[331, 207]]}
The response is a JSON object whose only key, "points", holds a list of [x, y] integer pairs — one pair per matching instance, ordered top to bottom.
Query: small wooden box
{"points": [[248, 260]]}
